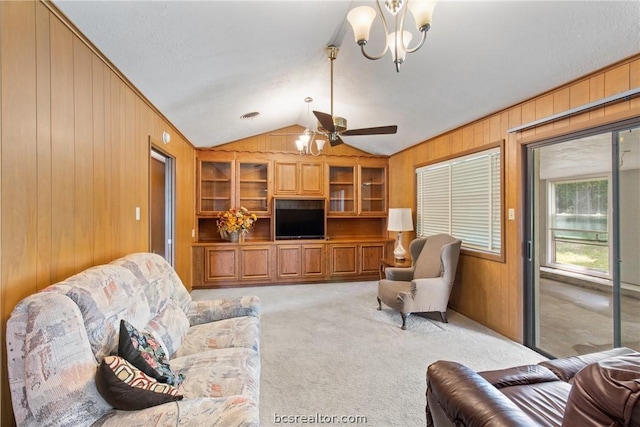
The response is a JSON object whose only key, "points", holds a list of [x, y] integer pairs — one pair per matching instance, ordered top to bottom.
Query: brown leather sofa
{"points": [[597, 389]]}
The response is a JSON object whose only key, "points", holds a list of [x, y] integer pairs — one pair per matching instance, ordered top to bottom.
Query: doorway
{"points": [[162, 208], [583, 250]]}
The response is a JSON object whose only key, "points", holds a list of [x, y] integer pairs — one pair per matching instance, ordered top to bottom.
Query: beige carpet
{"points": [[327, 353]]}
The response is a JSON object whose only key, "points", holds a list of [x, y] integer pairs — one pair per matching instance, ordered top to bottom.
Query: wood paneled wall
{"points": [[75, 161], [487, 291]]}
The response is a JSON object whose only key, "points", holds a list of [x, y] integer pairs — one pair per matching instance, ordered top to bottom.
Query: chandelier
{"points": [[361, 18], [305, 142]]}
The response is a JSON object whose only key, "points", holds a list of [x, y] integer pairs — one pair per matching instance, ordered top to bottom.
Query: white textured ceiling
{"points": [[205, 63]]}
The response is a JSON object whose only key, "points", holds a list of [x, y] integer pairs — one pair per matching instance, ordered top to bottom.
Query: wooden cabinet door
{"points": [[286, 178], [311, 179], [215, 186], [253, 186], [342, 190], [373, 190], [370, 256], [343, 259], [313, 260], [289, 261], [255, 262], [220, 264]]}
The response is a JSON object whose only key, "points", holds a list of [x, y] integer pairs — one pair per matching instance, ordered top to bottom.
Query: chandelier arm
{"points": [[385, 28], [423, 31], [422, 40]]}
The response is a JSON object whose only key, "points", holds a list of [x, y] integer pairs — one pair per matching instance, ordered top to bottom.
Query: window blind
{"points": [[461, 197]]}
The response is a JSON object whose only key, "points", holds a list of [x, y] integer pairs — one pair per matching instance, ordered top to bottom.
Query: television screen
{"points": [[299, 219]]}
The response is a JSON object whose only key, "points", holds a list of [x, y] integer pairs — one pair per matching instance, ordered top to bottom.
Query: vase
{"points": [[224, 235], [234, 236], [242, 236]]}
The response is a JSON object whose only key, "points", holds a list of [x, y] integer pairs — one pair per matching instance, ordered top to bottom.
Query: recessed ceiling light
{"points": [[250, 115]]}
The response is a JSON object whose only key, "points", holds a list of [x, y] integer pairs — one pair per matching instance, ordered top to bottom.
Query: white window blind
{"points": [[461, 197]]}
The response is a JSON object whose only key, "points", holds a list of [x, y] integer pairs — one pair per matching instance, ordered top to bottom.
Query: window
{"points": [[461, 197], [579, 224]]}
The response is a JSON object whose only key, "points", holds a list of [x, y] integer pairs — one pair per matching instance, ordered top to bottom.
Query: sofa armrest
{"points": [[400, 274], [211, 310], [566, 367], [519, 375], [606, 393], [458, 396]]}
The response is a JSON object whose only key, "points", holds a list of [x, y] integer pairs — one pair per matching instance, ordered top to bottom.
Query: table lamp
{"points": [[399, 220]]}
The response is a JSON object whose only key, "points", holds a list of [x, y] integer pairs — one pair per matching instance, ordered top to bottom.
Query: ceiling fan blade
{"points": [[325, 120], [381, 130], [336, 141]]}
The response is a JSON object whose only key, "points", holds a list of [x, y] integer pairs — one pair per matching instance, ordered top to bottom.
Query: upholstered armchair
{"points": [[426, 285]]}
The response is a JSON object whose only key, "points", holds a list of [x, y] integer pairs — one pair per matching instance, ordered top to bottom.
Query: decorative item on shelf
{"points": [[361, 18], [400, 220], [234, 224]]}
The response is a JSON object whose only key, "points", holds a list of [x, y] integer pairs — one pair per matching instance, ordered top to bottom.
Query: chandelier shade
{"points": [[361, 19]]}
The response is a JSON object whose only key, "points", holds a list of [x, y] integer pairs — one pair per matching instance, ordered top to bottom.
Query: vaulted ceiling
{"points": [[203, 64]]}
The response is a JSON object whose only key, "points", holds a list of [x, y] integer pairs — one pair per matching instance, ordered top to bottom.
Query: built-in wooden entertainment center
{"points": [[352, 190]]}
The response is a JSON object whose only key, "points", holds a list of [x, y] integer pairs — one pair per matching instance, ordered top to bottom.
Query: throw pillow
{"points": [[145, 353], [127, 388]]}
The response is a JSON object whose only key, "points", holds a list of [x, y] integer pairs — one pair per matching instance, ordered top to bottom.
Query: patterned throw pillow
{"points": [[146, 354], [127, 388]]}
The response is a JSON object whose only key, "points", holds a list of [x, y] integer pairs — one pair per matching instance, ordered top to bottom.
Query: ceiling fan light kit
{"points": [[361, 19], [330, 126]]}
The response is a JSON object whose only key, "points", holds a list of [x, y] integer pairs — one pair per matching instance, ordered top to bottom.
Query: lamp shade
{"points": [[422, 12], [361, 18], [393, 40], [400, 219]]}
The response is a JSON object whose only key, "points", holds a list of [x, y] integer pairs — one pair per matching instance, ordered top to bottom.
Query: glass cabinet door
{"points": [[342, 186], [215, 187], [253, 189], [372, 190]]}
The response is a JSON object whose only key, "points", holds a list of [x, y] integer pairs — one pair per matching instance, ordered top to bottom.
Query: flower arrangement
{"points": [[238, 220]]}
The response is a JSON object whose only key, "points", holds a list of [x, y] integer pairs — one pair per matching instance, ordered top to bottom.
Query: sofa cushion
{"points": [[158, 279], [104, 295], [171, 326], [237, 332], [142, 350], [51, 365], [219, 373], [125, 387]]}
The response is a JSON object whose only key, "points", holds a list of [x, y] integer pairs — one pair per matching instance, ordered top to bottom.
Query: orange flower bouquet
{"points": [[236, 221]]}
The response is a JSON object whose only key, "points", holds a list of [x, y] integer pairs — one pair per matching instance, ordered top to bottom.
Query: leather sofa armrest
{"points": [[566, 367], [519, 375], [606, 393], [458, 396]]}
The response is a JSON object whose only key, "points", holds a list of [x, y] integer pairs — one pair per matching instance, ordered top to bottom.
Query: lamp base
{"points": [[399, 253]]}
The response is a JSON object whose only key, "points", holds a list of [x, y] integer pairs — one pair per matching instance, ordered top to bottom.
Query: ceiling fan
{"points": [[334, 127]]}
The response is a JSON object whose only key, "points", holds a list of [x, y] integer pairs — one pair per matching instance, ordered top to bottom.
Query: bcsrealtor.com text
{"points": [[318, 418]]}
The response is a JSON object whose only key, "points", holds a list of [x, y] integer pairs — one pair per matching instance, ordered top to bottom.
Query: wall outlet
{"points": [[512, 214]]}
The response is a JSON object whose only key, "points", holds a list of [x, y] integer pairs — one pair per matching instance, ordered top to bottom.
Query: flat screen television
{"points": [[299, 219]]}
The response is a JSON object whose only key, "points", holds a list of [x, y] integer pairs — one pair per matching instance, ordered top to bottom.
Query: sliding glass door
{"points": [[583, 244]]}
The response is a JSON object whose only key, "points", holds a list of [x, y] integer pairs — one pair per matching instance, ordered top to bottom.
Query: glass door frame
{"points": [[530, 301]]}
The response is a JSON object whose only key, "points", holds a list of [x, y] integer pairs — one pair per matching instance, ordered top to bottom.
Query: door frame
{"points": [[156, 150], [529, 252]]}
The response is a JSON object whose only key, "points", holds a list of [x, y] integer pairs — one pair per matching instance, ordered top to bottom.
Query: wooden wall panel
{"points": [[43, 117], [75, 147], [62, 153], [83, 155], [18, 183], [487, 291]]}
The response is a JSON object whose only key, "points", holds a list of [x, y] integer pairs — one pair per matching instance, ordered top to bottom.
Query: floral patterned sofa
{"points": [[57, 339]]}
